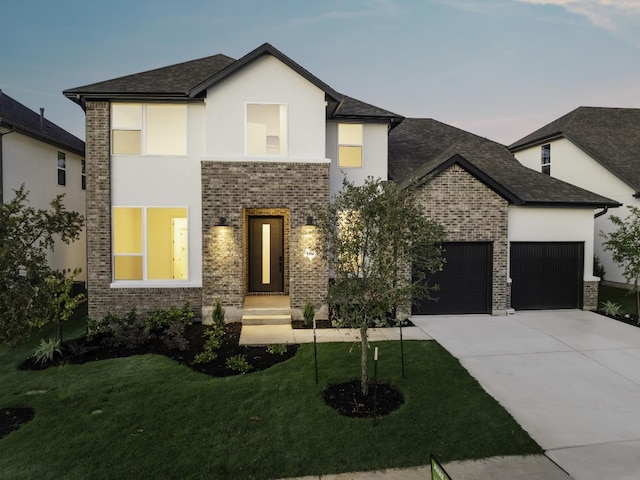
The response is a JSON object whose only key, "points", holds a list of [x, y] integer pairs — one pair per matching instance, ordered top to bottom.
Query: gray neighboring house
{"points": [[595, 148], [50, 161], [202, 177]]}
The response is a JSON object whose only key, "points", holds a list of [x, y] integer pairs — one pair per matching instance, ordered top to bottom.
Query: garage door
{"points": [[546, 275], [465, 281]]}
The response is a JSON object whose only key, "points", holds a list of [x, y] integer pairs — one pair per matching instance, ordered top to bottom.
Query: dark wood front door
{"points": [[266, 254]]}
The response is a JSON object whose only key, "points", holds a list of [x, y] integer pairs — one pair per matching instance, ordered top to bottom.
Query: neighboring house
{"points": [[597, 149], [49, 161], [203, 178]]}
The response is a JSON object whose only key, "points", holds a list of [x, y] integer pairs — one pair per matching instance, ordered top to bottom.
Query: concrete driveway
{"points": [[570, 378]]}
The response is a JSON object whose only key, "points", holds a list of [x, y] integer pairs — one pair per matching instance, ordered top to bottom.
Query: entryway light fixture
{"points": [[310, 221], [222, 222]]}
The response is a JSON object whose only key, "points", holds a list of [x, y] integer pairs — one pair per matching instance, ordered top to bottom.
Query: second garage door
{"points": [[546, 275], [465, 281]]}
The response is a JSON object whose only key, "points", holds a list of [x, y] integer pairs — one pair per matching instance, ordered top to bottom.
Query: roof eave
{"points": [[535, 142], [565, 204]]}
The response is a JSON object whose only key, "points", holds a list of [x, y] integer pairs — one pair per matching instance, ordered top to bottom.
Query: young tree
{"points": [[371, 236], [624, 244], [30, 291]]}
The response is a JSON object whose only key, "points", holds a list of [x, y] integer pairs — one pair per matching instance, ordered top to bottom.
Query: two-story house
{"points": [[597, 149], [49, 161], [203, 178]]}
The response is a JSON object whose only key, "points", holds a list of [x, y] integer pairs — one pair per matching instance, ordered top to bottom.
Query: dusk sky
{"points": [[497, 68]]}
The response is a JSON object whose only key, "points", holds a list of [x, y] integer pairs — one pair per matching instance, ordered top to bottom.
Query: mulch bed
{"points": [[626, 318], [82, 351], [348, 400], [13, 418]]}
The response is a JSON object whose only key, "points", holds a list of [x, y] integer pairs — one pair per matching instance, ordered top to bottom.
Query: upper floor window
{"points": [[148, 129], [266, 129], [350, 145], [545, 159], [62, 168], [83, 174], [150, 243]]}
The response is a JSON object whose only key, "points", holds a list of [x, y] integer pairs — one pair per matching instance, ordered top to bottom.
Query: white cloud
{"points": [[612, 15]]}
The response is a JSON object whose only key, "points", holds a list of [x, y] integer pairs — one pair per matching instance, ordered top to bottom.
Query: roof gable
{"points": [[14, 115], [608, 135], [422, 147]]}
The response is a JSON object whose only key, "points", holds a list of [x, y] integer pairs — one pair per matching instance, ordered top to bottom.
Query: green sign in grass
{"points": [[437, 472]]}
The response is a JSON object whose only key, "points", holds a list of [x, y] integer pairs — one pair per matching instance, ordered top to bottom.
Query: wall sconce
{"points": [[310, 221], [222, 222]]}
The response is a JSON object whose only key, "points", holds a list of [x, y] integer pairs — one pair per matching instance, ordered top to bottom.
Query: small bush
{"points": [[611, 309], [308, 313], [218, 314], [158, 320], [99, 327], [129, 331], [173, 337], [214, 342], [278, 349], [47, 350], [238, 363]]}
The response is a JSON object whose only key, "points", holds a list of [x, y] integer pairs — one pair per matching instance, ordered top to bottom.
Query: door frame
{"points": [[265, 212]]}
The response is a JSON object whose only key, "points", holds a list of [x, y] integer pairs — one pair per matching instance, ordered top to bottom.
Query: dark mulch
{"points": [[626, 318], [81, 351], [348, 400], [13, 418]]}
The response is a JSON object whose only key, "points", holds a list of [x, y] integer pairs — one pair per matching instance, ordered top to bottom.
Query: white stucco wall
{"points": [[267, 80], [374, 155], [35, 163], [571, 164], [167, 181], [537, 224]]}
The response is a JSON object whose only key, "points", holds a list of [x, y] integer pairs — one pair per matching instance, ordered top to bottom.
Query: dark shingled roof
{"points": [[189, 79], [174, 80], [14, 115], [611, 136], [419, 147]]}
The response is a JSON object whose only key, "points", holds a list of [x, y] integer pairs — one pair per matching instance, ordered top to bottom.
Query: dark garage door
{"points": [[546, 275], [465, 281]]}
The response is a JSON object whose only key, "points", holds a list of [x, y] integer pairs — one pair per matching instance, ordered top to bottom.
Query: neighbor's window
{"points": [[148, 129], [266, 129], [350, 145], [545, 159], [62, 168], [83, 174], [150, 243]]}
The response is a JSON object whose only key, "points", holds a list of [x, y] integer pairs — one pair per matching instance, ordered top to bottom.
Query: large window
{"points": [[148, 129], [266, 129], [350, 145], [545, 159], [62, 169], [150, 243]]}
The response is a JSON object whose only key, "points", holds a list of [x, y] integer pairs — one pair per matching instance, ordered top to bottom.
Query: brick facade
{"points": [[237, 190], [471, 212], [590, 295], [102, 298]]}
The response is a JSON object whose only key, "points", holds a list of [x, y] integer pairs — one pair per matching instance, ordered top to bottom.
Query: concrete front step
{"points": [[266, 319]]}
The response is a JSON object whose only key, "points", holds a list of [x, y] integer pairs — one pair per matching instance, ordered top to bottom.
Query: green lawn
{"points": [[622, 296], [149, 417]]}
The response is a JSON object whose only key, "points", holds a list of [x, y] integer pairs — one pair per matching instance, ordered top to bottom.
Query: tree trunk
{"points": [[637, 302], [364, 343]]}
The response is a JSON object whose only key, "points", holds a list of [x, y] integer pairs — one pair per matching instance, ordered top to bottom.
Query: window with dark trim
{"points": [[545, 159], [62, 169], [84, 174]]}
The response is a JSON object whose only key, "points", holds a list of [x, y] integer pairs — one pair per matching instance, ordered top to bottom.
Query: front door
{"points": [[266, 254]]}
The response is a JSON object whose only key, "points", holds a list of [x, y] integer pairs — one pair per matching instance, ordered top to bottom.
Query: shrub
{"points": [[598, 268], [611, 309], [308, 313], [218, 314], [158, 320], [99, 327], [129, 331], [173, 337], [214, 342], [278, 349], [47, 350], [238, 363]]}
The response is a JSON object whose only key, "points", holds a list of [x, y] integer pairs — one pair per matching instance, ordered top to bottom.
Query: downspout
{"points": [[599, 214]]}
